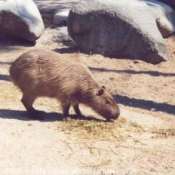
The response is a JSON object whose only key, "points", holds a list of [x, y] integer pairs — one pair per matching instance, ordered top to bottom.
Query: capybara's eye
{"points": [[104, 87], [108, 102]]}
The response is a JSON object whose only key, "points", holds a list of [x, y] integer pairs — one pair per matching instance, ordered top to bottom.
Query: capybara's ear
{"points": [[103, 87], [100, 92]]}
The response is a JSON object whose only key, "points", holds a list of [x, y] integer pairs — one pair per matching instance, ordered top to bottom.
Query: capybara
{"points": [[40, 73]]}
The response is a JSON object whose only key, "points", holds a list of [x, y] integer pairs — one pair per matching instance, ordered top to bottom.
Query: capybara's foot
{"points": [[36, 114], [80, 116], [66, 118]]}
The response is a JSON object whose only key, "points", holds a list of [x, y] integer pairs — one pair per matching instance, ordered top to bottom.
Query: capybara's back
{"points": [[43, 73]]}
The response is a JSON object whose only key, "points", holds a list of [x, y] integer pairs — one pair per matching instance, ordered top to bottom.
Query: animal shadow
{"points": [[7, 41], [67, 50], [4, 77], [145, 104], [46, 117]]}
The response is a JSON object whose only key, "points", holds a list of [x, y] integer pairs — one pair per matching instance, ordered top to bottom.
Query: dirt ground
{"points": [[145, 94]]}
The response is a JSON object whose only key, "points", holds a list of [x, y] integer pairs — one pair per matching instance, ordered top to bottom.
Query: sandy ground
{"points": [[144, 92]]}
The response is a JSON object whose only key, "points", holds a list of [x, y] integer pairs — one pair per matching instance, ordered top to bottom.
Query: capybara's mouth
{"points": [[110, 120]]}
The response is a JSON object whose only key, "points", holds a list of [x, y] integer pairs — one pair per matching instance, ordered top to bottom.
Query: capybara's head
{"points": [[105, 105]]}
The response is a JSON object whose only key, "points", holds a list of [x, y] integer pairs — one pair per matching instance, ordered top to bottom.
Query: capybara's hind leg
{"points": [[27, 101], [65, 108]]}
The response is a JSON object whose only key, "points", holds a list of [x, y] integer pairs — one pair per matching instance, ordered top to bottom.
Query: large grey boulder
{"points": [[20, 18], [117, 28]]}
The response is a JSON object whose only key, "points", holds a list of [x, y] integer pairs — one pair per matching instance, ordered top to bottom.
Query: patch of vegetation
{"points": [[119, 130], [164, 133]]}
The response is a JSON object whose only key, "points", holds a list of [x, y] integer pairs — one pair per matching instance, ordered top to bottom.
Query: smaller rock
{"points": [[61, 17], [165, 17], [56, 35]]}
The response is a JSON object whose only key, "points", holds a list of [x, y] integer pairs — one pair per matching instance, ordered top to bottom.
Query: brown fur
{"points": [[41, 73]]}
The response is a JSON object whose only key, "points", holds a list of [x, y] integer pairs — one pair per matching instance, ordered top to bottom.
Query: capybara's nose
{"points": [[116, 116], [113, 118]]}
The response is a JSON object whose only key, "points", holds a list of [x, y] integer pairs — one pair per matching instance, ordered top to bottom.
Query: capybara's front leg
{"points": [[77, 110]]}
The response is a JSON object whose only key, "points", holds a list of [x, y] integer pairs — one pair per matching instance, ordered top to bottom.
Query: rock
{"points": [[49, 9], [164, 15], [60, 18], [21, 19], [117, 28], [57, 35]]}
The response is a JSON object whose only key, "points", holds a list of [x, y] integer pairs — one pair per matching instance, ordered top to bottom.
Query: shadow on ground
{"points": [[7, 44], [66, 50], [5, 63], [152, 73], [4, 77], [145, 104], [47, 117]]}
